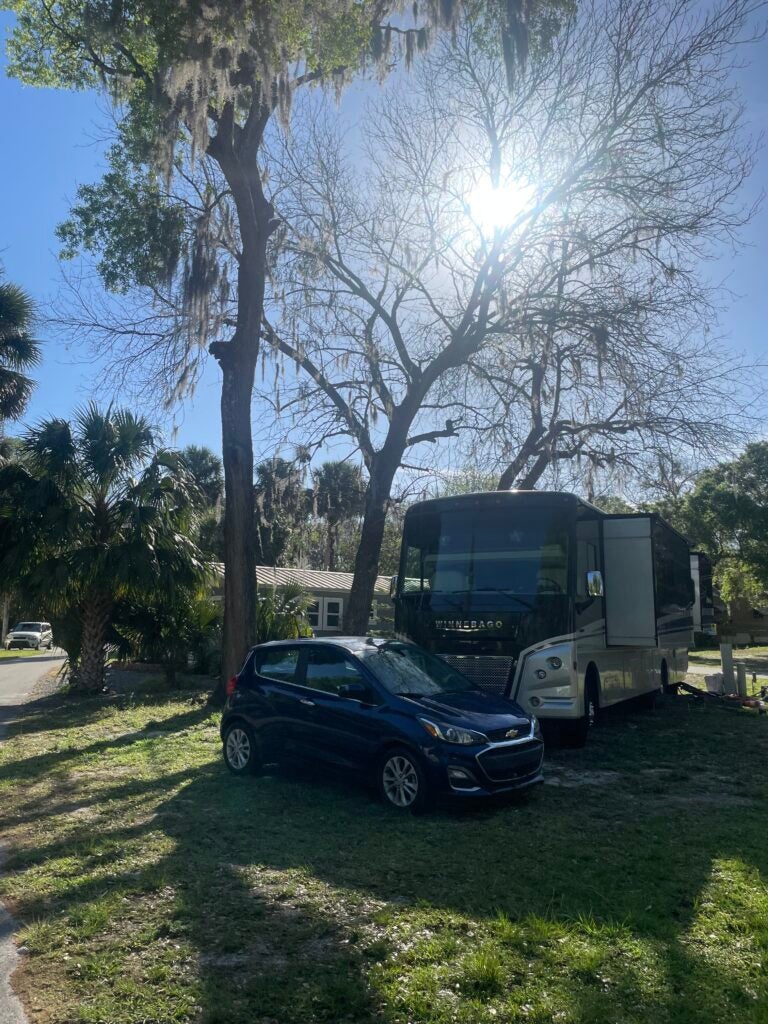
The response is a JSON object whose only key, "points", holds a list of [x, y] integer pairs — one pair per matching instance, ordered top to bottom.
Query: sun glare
{"points": [[497, 208]]}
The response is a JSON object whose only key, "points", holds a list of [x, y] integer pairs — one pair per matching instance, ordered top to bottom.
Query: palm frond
{"points": [[17, 311], [15, 392]]}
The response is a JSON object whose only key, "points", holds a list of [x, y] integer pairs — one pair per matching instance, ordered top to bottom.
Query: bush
{"points": [[282, 615]]}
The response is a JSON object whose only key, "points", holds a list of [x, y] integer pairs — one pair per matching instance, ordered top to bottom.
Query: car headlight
{"points": [[536, 725], [452, 733]]}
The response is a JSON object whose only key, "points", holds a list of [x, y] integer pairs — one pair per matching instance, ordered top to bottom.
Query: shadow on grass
{"points": [[42, 764], [289, 888]]}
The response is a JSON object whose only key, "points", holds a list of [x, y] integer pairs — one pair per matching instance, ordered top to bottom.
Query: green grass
{"points": [[24, 652], [748, 654], [755, 659], [154, 887]]}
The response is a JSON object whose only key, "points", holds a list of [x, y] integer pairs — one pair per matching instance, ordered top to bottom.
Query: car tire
{"points": [[575, 734], [241, 752], [402, 781]]}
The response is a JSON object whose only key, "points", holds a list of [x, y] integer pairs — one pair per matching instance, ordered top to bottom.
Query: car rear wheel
{"points": [[241, 754], [402, 781]]}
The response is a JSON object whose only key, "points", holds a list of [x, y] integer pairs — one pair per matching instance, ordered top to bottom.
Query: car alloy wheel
{"points": [[238, 748], [400, 781]]}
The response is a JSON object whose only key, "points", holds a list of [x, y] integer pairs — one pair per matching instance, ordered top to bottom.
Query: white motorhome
{"points": [[544, 598]]}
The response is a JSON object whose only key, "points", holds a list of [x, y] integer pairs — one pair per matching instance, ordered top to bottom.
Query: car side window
{"points": [[279, 664], [327, 670]]}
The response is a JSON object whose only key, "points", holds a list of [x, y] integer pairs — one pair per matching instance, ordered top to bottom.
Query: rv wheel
{"points": [[666, 686], [574, 734]]}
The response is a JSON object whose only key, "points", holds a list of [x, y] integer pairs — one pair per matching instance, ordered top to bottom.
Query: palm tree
{"points": [[18, 351], [207, 470], [339, 496], [94, 514]]}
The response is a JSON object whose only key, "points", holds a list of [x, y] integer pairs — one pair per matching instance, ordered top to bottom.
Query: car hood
{"points": [[23, 634], [476, 709]]}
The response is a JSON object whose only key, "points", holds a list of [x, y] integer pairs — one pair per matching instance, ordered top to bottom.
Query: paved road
{"points": [[18, 676]]}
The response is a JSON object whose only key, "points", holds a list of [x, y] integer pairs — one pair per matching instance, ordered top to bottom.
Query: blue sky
{"points": [[54, 143]]}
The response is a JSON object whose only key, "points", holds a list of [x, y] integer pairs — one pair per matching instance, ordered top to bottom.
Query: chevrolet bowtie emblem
{"points": [[511, 733]]}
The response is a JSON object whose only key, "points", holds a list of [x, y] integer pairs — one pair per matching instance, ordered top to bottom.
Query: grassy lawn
{"points": [[23, 652], [758, 655], [755, 659], [155, 888]]}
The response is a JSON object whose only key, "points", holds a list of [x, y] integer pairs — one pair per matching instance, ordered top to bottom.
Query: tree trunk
{"points": [[235, 149], [532, 477], [332, 531], [239, 541], [6, 612], [357, 614], [95, 619]]}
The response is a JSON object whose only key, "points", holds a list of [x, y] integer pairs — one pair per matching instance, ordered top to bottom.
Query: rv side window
{"points": [[672, 566]]}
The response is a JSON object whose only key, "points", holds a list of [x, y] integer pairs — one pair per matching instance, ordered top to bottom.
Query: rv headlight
{"points": [[555, 662], [452, 733]]}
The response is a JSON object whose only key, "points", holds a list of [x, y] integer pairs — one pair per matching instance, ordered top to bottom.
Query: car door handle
{"points": [[309, 703]]}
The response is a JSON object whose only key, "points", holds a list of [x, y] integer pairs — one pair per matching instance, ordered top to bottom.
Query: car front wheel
{"points": [[240, 750], [402, 781]]}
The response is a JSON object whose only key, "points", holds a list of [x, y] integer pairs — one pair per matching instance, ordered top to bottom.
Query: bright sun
{"points": [[497, 208]]}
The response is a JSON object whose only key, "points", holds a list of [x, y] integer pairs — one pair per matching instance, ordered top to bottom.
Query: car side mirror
{"points": [[595, 583], [393, 587], [355, 691]]}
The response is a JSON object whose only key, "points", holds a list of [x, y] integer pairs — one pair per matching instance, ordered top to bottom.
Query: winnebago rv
{"points": [[547, 600]]}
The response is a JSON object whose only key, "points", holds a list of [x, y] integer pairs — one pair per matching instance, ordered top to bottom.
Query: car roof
{"points": [[352, 644]]}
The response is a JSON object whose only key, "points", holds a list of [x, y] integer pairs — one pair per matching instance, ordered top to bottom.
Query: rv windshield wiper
{"points": [[508, 594]]}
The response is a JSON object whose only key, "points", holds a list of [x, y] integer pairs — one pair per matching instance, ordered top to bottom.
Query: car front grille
{"points": [[487, 673], [507, 764]]}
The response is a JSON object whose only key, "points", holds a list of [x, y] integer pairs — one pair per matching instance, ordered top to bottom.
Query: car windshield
{"points": [[27, 627], [408, 670]]}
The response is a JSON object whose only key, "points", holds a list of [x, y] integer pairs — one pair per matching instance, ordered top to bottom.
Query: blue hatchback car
{"points": [[387, 708]]}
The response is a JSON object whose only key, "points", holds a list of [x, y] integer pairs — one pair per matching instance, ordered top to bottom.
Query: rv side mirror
{"points": [[595, 583], [392, 586]]}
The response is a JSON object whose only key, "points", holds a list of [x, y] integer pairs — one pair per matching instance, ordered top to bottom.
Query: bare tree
{"points": [[474, 254], [649, 390]]}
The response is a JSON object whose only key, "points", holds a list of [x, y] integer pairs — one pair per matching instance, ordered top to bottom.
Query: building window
{"points": [[333, 612], [313, 615]]}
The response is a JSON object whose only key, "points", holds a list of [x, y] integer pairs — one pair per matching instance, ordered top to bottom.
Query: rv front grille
{"points": [[487, 673]]}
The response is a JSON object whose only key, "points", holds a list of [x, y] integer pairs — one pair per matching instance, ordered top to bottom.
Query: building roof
{"points": [[314, 580]]}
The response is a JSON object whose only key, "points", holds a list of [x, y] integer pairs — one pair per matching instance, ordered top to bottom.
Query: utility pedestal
{"points": [[726, 657]]}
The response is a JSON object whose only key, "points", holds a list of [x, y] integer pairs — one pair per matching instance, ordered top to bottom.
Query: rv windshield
{"points": [[515, 551]]}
